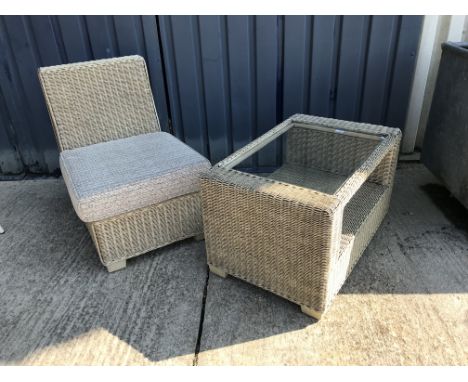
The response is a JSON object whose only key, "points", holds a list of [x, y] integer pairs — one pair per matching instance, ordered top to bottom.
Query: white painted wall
{"points": [[436, 29]]}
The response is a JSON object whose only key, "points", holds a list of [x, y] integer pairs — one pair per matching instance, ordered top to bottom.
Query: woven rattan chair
{"points": [[135, 187], [299, 231]]}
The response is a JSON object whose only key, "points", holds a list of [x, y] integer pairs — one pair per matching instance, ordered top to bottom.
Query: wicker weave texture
{"points": [[108, 100], [99, 101], [325, 150], [143, 230], [299, 232], [257, 237]]}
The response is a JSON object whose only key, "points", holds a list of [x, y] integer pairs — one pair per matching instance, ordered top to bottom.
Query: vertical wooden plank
{"points": [[128, 35], [139, 35], [101, 36], [75, 38], [46, 41], [47, 51], [186, 56], [297, 56], [405, 62], [154, 63], [352, 65], [378, 69], [241, 73], [9, 78], [172, 80], [266, 83], [216, 85], [321, 85], [36, 129], [10, 161]]}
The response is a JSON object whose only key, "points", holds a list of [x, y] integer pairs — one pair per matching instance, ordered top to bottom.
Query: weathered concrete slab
{"points": [[406, 302], [58, 304]]}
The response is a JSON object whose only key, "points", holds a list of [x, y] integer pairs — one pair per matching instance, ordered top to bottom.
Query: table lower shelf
{"points": [[362, 215]]}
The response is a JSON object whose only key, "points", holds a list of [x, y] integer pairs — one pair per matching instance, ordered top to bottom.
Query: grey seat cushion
{"points": [[111, 178]]}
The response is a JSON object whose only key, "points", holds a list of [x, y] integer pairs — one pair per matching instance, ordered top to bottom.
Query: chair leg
{"points": [[199, 237], [116, 265], [217, 271], [311, 312]]}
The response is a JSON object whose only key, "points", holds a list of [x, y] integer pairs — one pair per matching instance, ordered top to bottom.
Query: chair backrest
{"points": [[99, 101]]}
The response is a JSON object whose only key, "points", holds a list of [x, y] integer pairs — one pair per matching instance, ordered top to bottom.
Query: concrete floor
{"points": [[405, 303]]}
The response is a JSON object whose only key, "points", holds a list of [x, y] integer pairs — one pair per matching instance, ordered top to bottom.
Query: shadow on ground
{"points": [[453, 210], [422, 245], [54, 290]]}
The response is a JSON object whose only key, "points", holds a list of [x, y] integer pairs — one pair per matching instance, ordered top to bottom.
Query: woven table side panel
{"points": [[99, 101], [327, 151], [336, 153], [345, 153], [368, 229], [143, 230], [276, 244], [346, 261]]}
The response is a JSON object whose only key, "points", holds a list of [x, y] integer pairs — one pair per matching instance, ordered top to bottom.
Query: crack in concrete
{"points": [[202, 319]]}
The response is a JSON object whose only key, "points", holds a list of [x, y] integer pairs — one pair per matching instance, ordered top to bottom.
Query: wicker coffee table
{"points": [[299, 231]]}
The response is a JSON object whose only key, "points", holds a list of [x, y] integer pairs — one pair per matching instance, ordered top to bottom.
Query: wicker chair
{"points": [[135, 187]]}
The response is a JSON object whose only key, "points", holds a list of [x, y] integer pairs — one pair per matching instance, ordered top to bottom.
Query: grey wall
{"points": [[218, 82]]}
